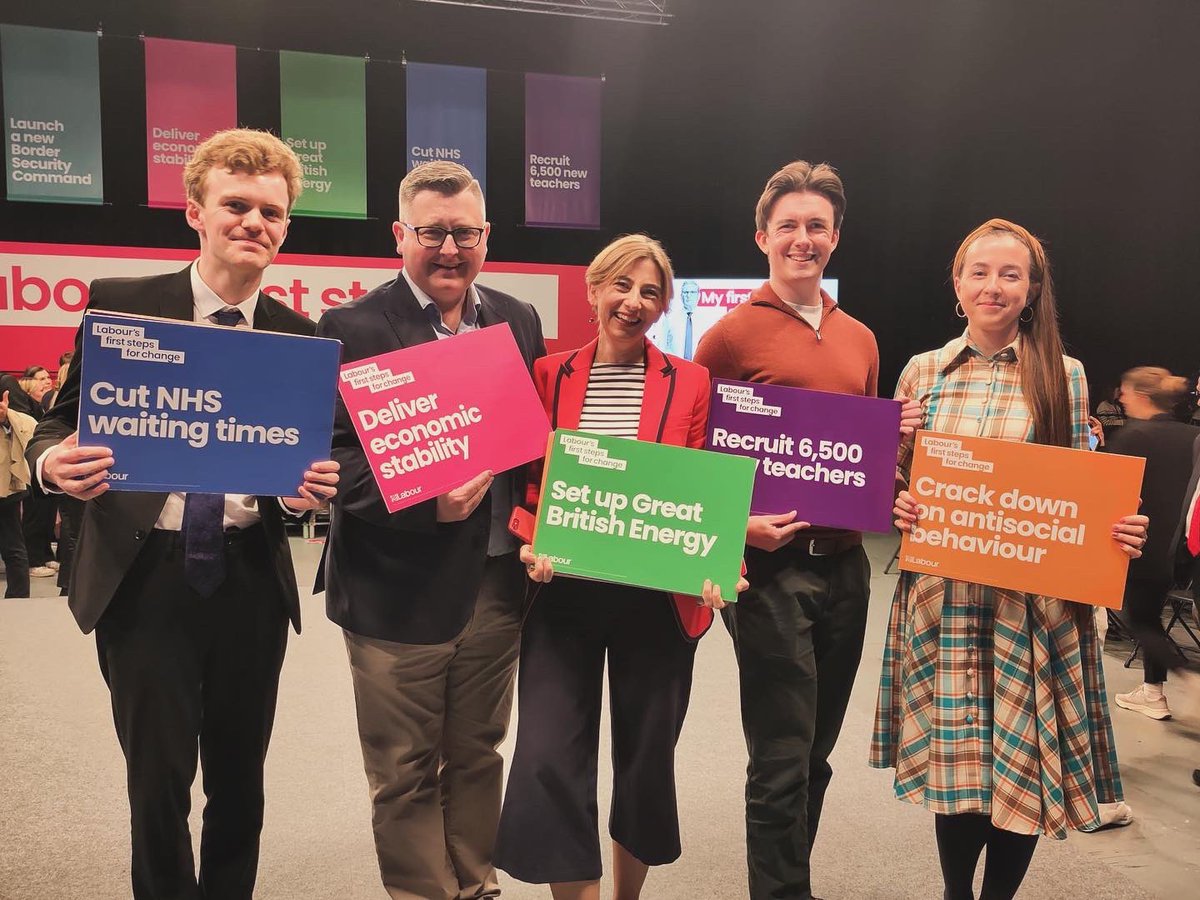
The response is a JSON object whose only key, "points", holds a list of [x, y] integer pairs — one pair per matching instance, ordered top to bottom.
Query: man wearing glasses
{"points": [[429, 598]]}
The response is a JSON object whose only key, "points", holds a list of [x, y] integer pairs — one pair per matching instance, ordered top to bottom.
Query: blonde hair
{"points": [[244, 150], [443, 177], [796, 178], [623, 254], [1043, 375], [29, 378], [1159, 386]]}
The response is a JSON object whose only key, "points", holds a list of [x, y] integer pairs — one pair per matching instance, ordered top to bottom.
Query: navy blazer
{"points": [[403, 576]]}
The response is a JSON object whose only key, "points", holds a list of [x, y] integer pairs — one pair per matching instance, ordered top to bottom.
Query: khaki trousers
{"points": [[430, 717]]}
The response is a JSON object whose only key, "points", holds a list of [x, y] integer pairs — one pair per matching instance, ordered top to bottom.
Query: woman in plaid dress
{"points": [[992, 706]]}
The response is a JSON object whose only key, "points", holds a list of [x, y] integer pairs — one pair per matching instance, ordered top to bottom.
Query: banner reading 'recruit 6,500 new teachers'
{"points": [[562, 151]]}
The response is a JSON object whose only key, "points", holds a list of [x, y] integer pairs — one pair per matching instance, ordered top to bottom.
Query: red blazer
{"points": [[674, 411]]}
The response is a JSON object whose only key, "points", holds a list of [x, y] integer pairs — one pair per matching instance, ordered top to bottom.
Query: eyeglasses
{"points": [[434, 235]]}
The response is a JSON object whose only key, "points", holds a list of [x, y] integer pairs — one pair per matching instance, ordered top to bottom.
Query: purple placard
{"points": [[562, 151], [830, 457]]}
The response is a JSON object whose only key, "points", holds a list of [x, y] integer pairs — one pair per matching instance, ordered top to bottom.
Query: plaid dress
{"points": [[992, 701]]}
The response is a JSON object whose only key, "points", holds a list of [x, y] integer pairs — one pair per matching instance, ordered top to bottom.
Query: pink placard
{"points": [[191, 93], [433, 416]]}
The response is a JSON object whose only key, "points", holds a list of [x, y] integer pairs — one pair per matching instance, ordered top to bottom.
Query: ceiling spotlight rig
{"points": [[639, 12]]}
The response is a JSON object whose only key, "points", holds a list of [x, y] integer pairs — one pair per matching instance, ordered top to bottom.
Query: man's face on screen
{"points": [[689, 296]]}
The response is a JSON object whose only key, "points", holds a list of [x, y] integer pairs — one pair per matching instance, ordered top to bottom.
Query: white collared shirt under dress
{"points": [[992, 701]]}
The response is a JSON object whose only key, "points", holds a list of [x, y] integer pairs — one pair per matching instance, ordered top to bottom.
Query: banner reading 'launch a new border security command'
{"points": [[52, 114], [189, 407], [644, 514], [1021, 516]]}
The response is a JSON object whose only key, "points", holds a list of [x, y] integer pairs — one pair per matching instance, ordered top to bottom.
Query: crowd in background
{"points": [[36, 530]]}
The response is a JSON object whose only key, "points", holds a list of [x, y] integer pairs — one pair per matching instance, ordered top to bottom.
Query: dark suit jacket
{"points": [[674, 411], [1167, 446], [116, 524], [403, 576]]}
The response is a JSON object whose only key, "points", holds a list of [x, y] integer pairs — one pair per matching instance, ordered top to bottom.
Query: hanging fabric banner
{"points": [[191, 93], [322, 103], [52, 115], [447, 116], [562, 151]]}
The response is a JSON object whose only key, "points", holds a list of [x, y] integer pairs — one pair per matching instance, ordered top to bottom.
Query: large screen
{"points": [[703, 301]]}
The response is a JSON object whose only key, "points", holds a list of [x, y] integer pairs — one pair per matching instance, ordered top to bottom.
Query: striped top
{"points": [[613, 402]]}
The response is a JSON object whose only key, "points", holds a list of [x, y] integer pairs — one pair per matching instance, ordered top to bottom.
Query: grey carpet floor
{"points": [[64, 820]]}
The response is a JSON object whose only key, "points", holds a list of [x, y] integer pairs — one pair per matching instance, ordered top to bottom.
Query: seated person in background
{"points": [[1110, 414]]}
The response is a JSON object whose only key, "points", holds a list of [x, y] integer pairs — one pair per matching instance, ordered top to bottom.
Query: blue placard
{"points": [[447, 116], [203, 408]]}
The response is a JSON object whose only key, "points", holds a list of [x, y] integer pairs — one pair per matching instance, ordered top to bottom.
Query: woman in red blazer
{"points": [[619, 384]]}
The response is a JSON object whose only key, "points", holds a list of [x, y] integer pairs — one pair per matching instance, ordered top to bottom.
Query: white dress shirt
{"points": [[241, 510], [500, 541]]}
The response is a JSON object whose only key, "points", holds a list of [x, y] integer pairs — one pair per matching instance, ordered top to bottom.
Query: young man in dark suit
{"points": [[190, 595], [429, 597]]}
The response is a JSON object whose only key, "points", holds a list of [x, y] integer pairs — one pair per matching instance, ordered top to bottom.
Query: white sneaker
{"points": [[41, 572], [1139, 702], [1114, 815]]}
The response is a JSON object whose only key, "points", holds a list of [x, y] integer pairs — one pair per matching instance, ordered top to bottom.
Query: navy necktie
{"points": [[204, 521]]}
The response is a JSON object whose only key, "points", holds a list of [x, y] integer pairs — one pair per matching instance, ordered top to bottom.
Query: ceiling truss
{"points": [[640, 12]]}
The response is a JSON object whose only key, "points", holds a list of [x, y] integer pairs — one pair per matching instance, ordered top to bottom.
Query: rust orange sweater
{"points": [[765, 340]]}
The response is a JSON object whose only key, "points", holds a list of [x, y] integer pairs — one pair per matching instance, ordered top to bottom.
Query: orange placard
{"points": [[1021, 516]]}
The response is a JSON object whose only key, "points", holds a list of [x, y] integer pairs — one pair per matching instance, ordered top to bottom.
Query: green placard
{"points": [[322, 103], [52, 115], [644, 514]]}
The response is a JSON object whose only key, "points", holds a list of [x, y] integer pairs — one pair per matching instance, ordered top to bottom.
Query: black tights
{"points": [[961, 839]]}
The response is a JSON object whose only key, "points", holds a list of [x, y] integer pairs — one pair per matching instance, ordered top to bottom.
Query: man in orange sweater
{"points": [[798, 631]]}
